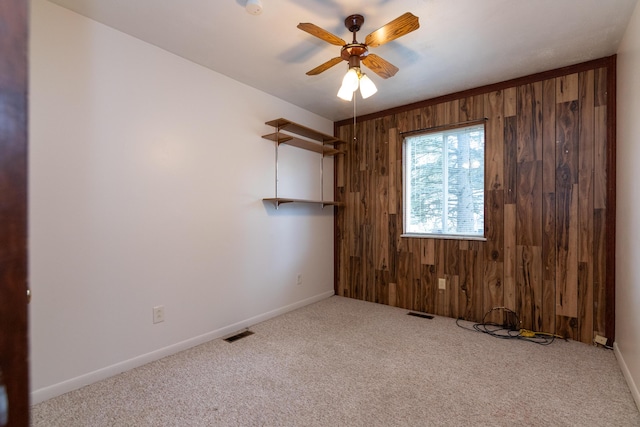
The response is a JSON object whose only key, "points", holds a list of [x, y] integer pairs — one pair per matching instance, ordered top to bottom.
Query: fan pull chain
{"points": [[355, 96]]}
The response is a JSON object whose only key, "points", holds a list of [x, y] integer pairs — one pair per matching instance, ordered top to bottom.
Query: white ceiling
{"points": [[461, 44]]}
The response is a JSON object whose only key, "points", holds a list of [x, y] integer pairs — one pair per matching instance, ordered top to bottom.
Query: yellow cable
{"points": [[531, 334]]}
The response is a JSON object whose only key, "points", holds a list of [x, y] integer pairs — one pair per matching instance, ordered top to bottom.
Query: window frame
{"points": [[443, 129]]}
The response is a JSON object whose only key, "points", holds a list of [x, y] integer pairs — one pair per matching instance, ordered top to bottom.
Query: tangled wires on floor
{"points": [[509, 329]]}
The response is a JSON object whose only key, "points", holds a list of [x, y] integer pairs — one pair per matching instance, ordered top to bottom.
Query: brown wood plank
{"points": [[600, 87], [567, 88], [510, 97], [471, 108], [451, 112], [529, 113], [429, 116], [567, 122], [567, 133], [549, 136], [494, 141], [381, 149], [395, 159], [510, 159], [354, 161], [600, 161], [585, 167], [339, 169], [529, 204], [585, 205], [352, 219], [381, 224], [394, 237], [365, 244], [549, 244], [440, 250], [427, 251], [567, 253], [510, 256], [451, 263], [368, 267], [416, 267], [600, 272], [463, 280], [529, 286], [382, 287], [404, 288], [429, 289], [471, 289], [453, 290], [478, 290], [493, 295], [445, 296], [393, 299], [585, 306], [548, 307], [547, 318], [567, 327]]}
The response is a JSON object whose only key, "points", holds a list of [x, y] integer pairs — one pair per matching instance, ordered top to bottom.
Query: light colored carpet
{"points": [[344, 362]]}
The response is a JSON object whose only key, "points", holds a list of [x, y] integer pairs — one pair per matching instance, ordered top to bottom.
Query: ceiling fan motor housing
{"points": [[357, 50]]}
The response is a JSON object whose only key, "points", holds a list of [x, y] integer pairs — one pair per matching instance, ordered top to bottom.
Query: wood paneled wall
{"points": [[548, 148]]}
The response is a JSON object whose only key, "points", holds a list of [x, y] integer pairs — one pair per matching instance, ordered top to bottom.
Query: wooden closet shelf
{"points": [[289, 126], [282, 138], [277, 201]]}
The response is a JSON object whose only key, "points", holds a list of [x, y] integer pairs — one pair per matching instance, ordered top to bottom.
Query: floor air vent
{"points": [[422, 315], [238, 336]]}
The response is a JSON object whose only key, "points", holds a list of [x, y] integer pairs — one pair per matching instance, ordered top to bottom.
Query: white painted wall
{"points": [[147, 174], [627, 345]]}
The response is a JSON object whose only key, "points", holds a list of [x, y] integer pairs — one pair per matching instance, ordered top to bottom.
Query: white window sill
{"points": [[444, 236]]}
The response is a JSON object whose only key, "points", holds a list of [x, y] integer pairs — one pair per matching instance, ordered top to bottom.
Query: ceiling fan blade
{"points": [[397, 28], [325, 35], [380, 66], [320, 68]]}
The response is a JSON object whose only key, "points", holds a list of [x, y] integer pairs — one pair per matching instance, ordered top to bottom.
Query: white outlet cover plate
{"points": [[158, 314]]}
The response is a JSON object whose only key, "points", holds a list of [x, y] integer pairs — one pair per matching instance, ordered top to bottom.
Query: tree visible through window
{"points": [[444, 182]]}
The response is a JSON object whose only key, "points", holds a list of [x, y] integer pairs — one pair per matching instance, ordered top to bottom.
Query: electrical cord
{"points": [[509, 330]]}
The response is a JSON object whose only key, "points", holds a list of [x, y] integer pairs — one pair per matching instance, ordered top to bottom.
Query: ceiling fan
{"points": [[355, 52]]}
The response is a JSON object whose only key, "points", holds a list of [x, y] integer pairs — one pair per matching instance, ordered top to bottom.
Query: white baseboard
{"points": [[627, 375], [49, 392]]}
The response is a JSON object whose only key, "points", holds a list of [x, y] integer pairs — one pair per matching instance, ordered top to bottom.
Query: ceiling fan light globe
{"points": [[350, 80], [367, 87], [345, 93]]}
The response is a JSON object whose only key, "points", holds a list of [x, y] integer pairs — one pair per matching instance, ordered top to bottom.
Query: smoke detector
{"points": [[254, 7]]}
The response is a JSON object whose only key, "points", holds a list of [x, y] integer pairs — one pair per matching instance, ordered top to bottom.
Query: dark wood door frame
{"points": [[13, 208]]}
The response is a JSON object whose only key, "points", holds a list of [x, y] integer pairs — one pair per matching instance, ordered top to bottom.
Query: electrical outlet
{"points": [[299, 279], [442, 284], [158, 314], [599, 339]]}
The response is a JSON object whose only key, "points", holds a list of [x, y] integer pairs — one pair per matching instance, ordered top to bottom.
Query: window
{"points": [[443, 173]]}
